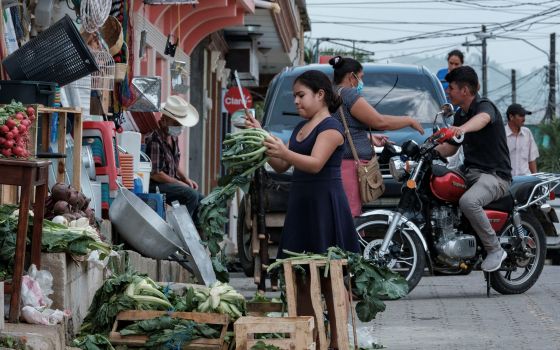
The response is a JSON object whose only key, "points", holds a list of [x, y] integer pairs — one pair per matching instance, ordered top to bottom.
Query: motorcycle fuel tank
{"points": [[448, 187]]}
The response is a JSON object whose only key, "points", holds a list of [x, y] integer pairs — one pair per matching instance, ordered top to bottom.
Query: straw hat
{"points": [[112, 33], [177, 108]]}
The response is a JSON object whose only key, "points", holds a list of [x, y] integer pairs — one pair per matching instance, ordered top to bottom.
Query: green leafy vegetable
{"points": [[243, 153], [55, 238], [171, 332], [93, 342], [260, 345]]}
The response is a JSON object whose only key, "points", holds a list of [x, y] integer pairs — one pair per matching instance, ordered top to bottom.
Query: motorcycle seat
{"points": [[520, 188]]}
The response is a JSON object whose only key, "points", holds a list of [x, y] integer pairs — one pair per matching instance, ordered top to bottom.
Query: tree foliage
{"points": [[549, 148]]}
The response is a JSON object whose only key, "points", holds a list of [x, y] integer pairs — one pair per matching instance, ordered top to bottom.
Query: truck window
{"points": [[414, 95]]}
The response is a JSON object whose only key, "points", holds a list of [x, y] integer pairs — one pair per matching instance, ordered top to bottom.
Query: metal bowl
{"points": [[143, 228]]}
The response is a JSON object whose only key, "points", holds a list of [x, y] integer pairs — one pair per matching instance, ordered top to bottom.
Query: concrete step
{"points": [[38, 337]]}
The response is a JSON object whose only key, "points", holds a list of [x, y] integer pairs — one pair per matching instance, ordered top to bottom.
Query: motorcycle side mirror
{"points": [[447, 110]]}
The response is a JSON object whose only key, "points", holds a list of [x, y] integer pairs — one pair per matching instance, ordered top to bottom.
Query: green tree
{"points": [[358, 54], [549, 147]]}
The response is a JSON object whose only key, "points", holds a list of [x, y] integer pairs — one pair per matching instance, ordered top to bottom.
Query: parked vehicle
{"points": [[392, 89], [428, 228]]}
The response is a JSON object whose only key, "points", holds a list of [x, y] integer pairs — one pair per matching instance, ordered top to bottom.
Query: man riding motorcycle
{"points": [[486, 166]]}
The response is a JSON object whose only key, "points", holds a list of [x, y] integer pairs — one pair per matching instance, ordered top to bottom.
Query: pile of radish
{"points": [[15, 122]]}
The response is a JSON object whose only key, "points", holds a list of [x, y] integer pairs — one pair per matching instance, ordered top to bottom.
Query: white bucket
{"points": [[144, 170]]}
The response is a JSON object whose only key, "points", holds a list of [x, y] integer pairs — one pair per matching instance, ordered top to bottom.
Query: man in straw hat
{"points": [[163, 149]]}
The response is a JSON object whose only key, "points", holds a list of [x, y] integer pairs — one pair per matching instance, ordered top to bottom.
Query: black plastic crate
{"points": [[59, 54], [27, 92]]}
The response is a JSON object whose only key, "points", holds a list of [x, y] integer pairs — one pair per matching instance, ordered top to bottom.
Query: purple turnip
{"points": [[61, 207]]}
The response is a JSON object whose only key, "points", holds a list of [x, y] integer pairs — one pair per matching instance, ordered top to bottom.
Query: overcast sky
{"points": [[446, 24]]}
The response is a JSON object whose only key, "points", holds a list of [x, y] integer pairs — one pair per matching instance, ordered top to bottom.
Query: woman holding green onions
{"points": [[318, 215]]}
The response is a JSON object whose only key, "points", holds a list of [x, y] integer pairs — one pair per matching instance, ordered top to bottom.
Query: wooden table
{"points": [[28, 175]]}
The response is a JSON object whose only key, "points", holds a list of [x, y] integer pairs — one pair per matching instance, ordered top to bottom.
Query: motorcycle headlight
{"points": [[397, 168]]}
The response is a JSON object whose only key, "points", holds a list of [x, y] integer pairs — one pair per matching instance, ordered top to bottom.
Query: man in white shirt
{"points": [[523, 150]]}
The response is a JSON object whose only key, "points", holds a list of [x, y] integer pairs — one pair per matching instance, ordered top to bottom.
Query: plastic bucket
{"points": [[144, 171]]}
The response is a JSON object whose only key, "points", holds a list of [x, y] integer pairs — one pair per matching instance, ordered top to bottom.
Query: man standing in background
{"points": [[523, 150]]}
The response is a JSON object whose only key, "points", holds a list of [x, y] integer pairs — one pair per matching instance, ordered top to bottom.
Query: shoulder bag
{"points": [[370, 180]]}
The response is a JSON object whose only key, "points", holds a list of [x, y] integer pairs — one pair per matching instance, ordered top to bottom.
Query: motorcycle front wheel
{"points": [[406, 252], [523, 272]]}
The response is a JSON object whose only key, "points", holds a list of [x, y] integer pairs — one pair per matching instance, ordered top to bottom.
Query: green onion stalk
{"points": [[242, 154]]}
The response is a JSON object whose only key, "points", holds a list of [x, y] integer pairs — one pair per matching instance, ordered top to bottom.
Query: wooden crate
{"points": [[338, 292], [261, 308], [299, 329], [139, 340]]}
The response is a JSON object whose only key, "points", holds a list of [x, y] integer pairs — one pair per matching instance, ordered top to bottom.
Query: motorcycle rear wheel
{"points": [[409, 261], [505, 282]]}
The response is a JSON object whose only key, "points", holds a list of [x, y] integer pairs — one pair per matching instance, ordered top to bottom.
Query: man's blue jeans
{"points": [[182, 193]]}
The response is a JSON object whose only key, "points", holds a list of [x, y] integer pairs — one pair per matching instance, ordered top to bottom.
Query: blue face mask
{"points": [[360, 85], [174, 130]]}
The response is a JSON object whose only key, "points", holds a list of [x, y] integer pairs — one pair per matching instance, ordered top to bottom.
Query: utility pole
{"points": [[482, 36], [316, 51], [484, 63], [513, 87], [551, 106]]}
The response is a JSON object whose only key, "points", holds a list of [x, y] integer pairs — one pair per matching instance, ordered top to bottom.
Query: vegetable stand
{"points": [[28, 175]]}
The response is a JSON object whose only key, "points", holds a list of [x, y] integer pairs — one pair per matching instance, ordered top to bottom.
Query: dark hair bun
{"points": [[336, 61]]}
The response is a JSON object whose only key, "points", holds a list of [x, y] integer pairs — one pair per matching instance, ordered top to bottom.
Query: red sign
{"points": [[324, 59], [233, 101]]}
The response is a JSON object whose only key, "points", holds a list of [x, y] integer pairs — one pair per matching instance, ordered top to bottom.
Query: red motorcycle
{"points": [[428, 229]]}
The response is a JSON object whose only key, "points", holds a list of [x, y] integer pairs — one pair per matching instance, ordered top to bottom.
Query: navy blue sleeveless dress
{"points": [[318, 214]]}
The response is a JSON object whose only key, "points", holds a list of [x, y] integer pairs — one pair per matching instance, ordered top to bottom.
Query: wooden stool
{"points": [[27, 175], [338, 292], [300, 330]]}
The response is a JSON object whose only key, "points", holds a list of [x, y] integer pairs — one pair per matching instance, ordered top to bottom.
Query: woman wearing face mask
{"points": [[360, 116], [162, 146]]}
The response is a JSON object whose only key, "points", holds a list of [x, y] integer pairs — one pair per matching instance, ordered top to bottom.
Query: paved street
{"points": [[454, 313]]}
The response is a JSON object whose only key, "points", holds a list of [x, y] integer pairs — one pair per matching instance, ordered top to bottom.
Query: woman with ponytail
{"points": [[360, 116]]}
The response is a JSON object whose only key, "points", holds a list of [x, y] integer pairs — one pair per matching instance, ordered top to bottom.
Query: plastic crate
{"points": [[58, 54], [156, 201]]}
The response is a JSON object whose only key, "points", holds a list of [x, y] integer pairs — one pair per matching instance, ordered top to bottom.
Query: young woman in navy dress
{"points": [[318, 215]]}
